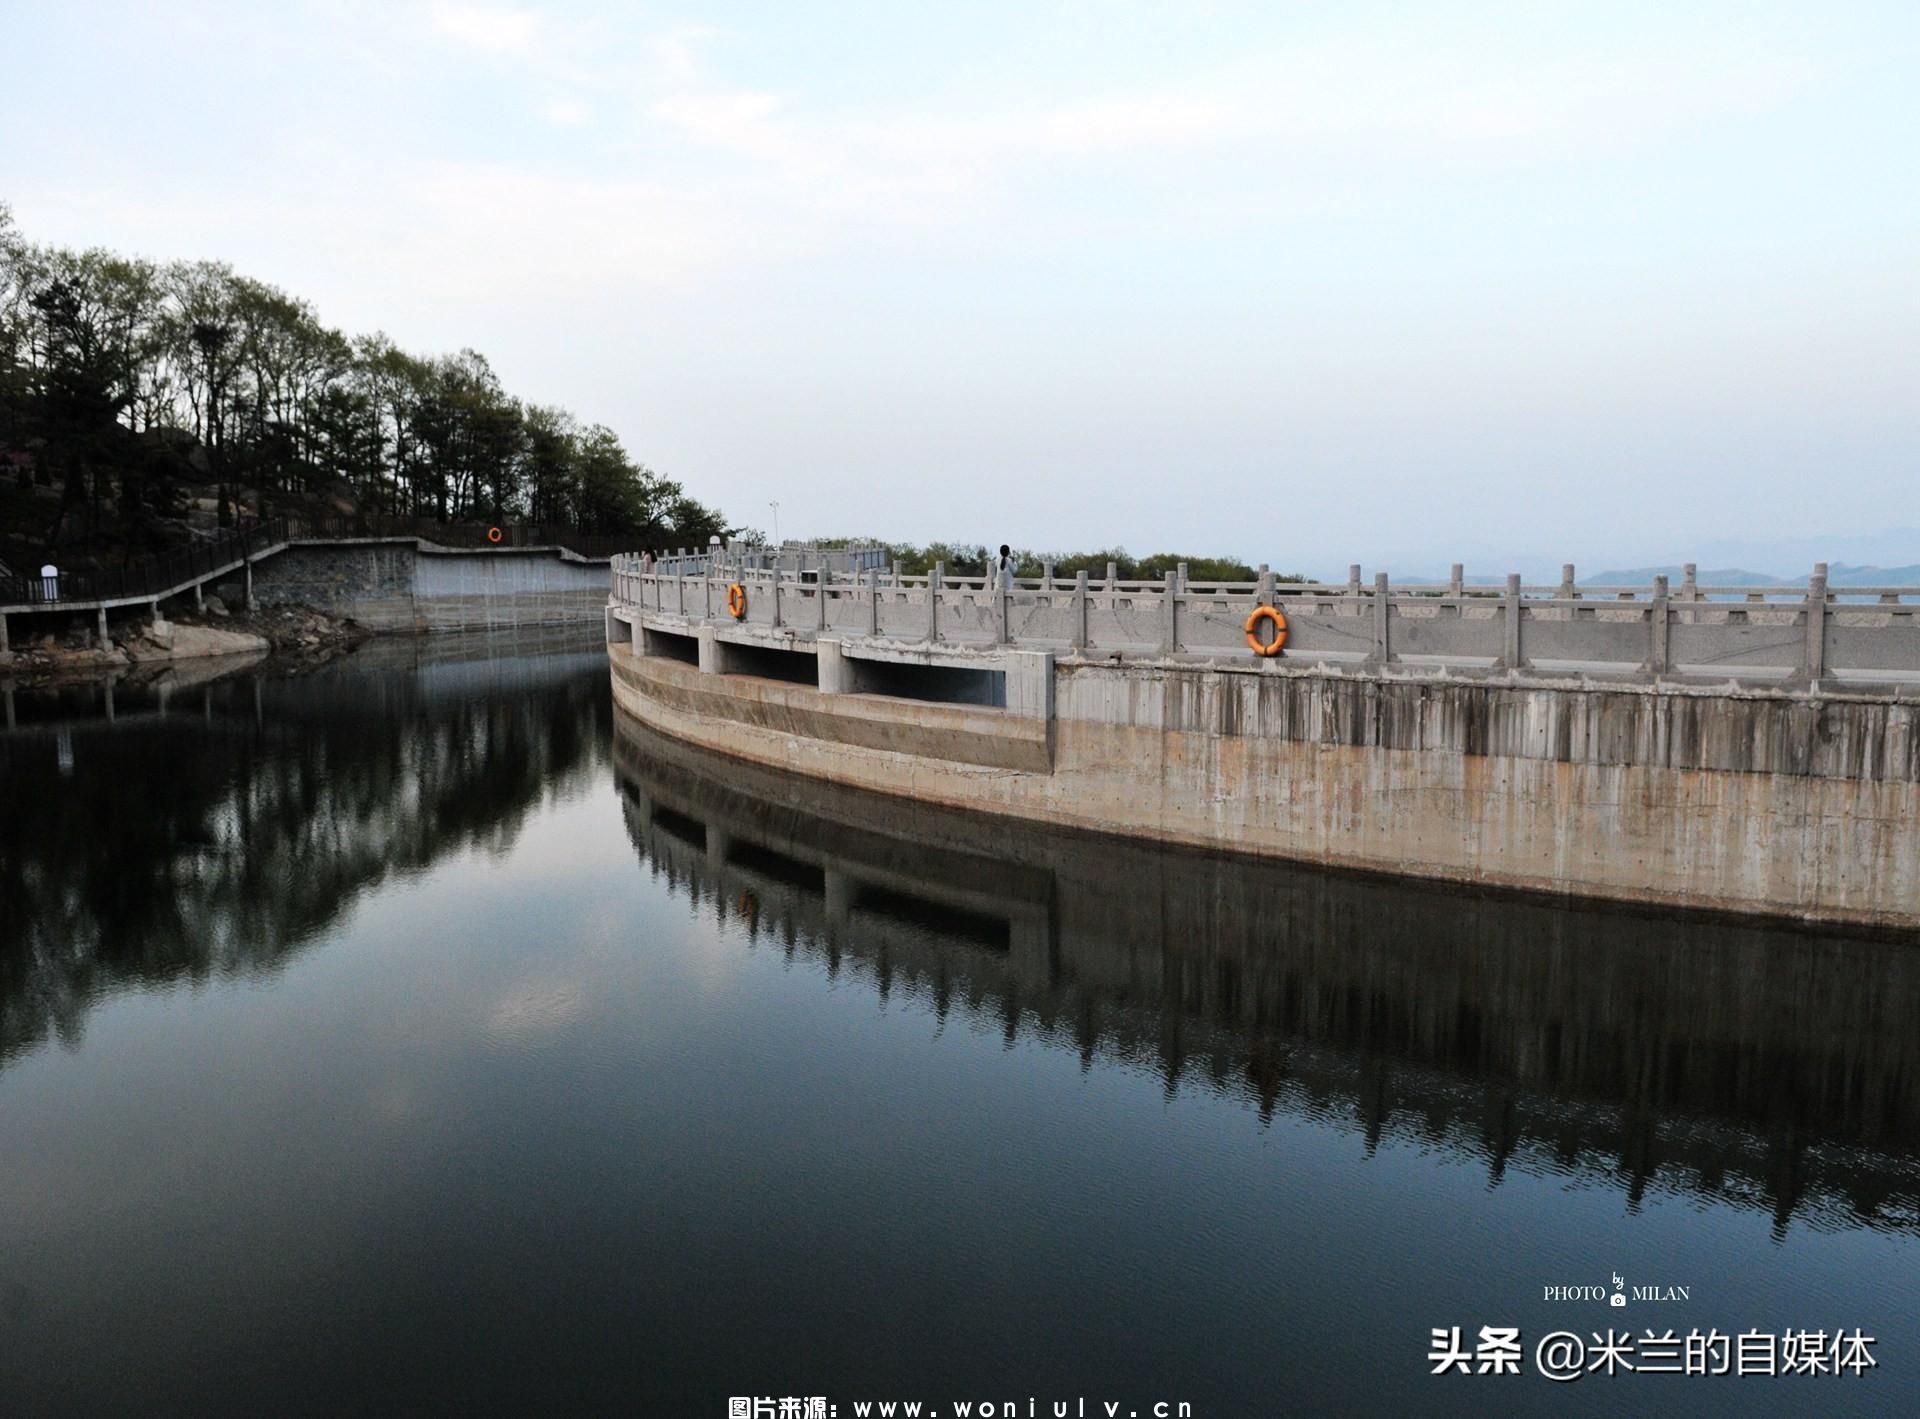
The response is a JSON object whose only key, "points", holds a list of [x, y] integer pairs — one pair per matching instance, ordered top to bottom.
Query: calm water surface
{"points": [[411, 1036]]}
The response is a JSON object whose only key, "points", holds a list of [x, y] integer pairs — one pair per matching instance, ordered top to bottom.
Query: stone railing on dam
{"points": [[799, 560], [1772, 635], [1759, 755]]}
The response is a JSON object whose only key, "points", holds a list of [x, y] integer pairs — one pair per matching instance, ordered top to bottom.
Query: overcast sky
{"points": [[1308, 283]]}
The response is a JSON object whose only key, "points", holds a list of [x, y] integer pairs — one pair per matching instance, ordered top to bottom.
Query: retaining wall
{"points": [[403, 585], [1759, 801]]}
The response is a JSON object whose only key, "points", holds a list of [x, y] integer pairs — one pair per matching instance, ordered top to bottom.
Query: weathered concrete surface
{"points": [[400, 586], [1833, 736], [960, 738], [1576, 793]]}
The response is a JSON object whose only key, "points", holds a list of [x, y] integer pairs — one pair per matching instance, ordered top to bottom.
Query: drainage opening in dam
{"points": [[685, 649], [797, 667], [942, 684]]}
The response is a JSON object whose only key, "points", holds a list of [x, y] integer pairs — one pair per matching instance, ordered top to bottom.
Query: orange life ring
{"points": [[494, 534], [737, 601], [1266, 613]]}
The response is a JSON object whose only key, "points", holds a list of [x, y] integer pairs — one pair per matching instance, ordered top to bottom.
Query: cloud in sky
{"points": [[494, 29], [1439, 282]]}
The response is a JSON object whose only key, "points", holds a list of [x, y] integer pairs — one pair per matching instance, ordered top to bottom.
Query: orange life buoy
{"points": [[494, 534], [737, 601], [1266, 613]]}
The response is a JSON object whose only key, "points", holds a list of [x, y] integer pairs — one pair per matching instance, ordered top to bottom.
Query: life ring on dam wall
{"points": [[494, 534], [737, 601], [1266, 613]]}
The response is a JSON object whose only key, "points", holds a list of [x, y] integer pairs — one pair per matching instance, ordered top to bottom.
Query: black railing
{"points": [[474, 534], [157, 575], [149, 576]]}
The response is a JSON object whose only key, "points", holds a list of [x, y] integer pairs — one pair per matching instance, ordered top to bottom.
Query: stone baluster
{"points": [[1512, 613], [1382, 623], [1659, 628], [1816, 653]]}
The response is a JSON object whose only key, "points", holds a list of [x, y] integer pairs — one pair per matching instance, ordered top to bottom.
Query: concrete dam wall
{"points": [[406, 585], [1787, 796]]}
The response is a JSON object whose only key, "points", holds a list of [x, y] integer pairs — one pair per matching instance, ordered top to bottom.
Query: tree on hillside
{"points": [[125, 384]]}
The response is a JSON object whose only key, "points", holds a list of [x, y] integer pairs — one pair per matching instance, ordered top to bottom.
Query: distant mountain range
{"points": [[1889, 556], [1839, 574]]}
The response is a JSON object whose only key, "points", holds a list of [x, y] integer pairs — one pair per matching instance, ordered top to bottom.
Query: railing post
{"points": [[896, 574], [1046, 574], [1113, 574], [1183, 576], [934, 578], [1353, 579], [1457, 582], [1689, 587], [680, 589], [1263, 590], [1567, 592], [776, 593], [820, 596], [873, 601], [1080, 610], [707, 613], [1170, 618], [1382, 634], [1510, 652], [1657, 653], [1816, 653]]}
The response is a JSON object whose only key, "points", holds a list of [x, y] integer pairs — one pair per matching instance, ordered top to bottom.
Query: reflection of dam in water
{"points": [[1760, 1066]]}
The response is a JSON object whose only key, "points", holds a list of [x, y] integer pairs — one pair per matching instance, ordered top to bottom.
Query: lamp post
{"points": [[775, 505]]}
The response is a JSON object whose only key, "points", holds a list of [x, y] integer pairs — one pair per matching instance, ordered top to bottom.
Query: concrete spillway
{"points": [[1796, 798]]}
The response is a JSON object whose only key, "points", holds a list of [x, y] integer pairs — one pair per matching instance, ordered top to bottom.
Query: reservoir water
{"points": [[410, 1035]]}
